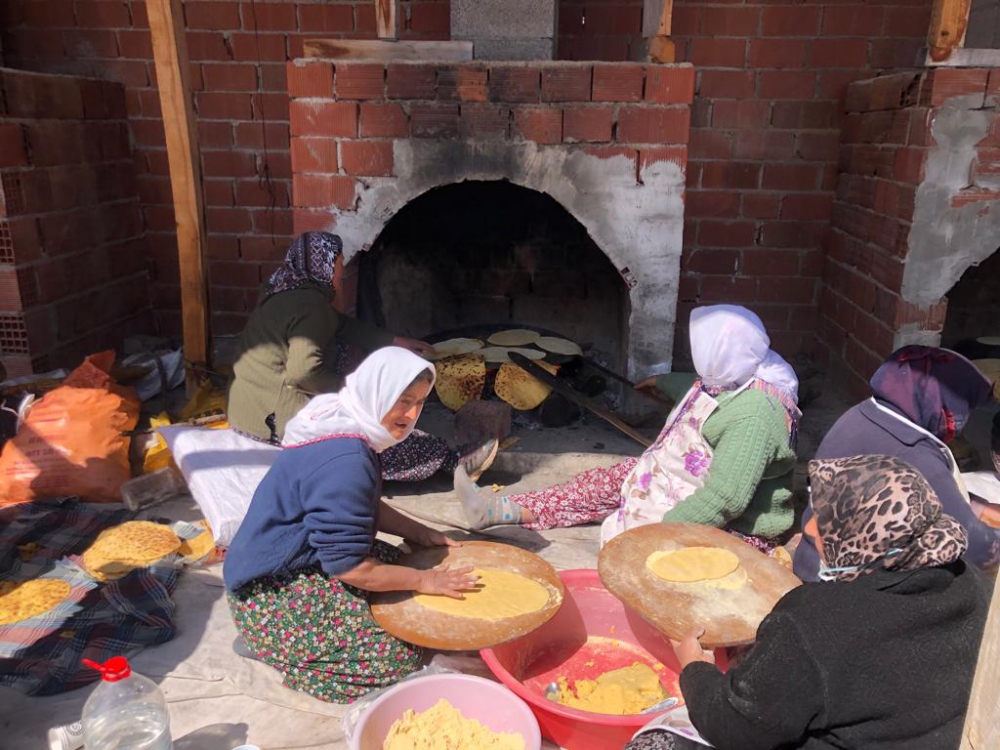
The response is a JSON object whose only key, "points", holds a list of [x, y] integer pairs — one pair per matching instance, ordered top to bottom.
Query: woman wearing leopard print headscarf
{"points": [[880, 655]]}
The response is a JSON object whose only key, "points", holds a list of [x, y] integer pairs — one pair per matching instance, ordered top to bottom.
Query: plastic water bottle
{"points": [[126, 712]]}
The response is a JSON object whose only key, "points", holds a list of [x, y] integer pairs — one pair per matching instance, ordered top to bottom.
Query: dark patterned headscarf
{"points": [[311, 257], [934, 388], [879, 512]]}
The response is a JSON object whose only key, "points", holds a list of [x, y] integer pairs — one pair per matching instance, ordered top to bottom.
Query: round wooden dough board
{"points": [[730, 617], [404, 618]]}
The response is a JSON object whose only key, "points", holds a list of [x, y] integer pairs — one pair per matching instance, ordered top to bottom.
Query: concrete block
{"points": [[507, 19], [514, 49]]}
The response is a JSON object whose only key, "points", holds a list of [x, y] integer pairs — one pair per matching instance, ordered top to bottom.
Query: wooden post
{"points": [[386, 15], [949, 22], [166, 23], [661, 46], [982, 723]]}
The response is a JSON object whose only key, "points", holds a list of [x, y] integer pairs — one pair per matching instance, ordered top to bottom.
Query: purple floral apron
{"points": [[671, 469]]}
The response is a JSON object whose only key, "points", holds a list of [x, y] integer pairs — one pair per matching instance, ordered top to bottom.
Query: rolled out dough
{"points": [[692, 564], [500, 594]]}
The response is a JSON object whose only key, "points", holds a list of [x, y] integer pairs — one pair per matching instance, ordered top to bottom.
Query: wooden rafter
{"points": [[658, 16], [386, 18], [949, 22], [166, 23]]}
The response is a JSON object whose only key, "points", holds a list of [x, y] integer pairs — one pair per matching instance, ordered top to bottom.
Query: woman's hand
{"points": [[421, 348], [427, 537], [443, 581], [689, 650]]}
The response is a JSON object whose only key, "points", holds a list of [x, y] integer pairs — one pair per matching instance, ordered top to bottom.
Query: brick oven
{"points": [[600, 149]]}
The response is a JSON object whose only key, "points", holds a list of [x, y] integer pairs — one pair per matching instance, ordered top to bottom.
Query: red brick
{"points": [[46, 14], [101, 14], [208, 15], [268, 16], [325, 17], [364, 19], [430, 19], [615, 19], [791, 20], [852, 20], [729, 21], [907, 22], [91, 44], [136, 44], [258, 47], [722, 53], [768, 53], [839, 53], [898, 53], [230, 77], [273, 77], [310, 80], [360, 80], [411, 81], [618, 83], [833, 83], [944, 83], [464, 84], [510, 84], [566, 84], [726, 84], [787, 84], [669, 85], [214, 106], [270, 106], [741, 114], [804, 115], [330, 119], [383, 121], [434, 121], [484, 121], [587, 124], [542, 125], [653, 125], [251, 135], [711, 144], [817, 146], [13, 149], [613, 152], [314, 155], [676, 155], [368, 158], [909, 165], [730, 174], [791, 176], [322, 191], [218, 193], [722, 204], [761, 205], [817, 207], [228, 220], [305, 220], [725, 233], [806, 234], [262, 248], [712, 261], [769, 262], [224, 273], [730, 289], [787, 290]]}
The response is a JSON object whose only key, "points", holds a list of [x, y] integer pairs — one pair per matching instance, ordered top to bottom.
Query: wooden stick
{"points": [[386, 13], [949, 22], [661, 46], [374, 50], [172, 76], [982, 722]]}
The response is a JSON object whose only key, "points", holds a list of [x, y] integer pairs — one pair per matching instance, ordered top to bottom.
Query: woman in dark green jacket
{"points": [[296, 345]]}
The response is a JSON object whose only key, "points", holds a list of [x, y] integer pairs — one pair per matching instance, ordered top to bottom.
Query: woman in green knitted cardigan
{"points": [[725, 456]]}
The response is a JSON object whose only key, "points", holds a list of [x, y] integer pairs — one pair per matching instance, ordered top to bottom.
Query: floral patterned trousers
{"points": [[320, 634]]}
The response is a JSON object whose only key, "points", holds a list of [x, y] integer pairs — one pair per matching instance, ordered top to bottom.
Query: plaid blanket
{"points": [[43, 539]]}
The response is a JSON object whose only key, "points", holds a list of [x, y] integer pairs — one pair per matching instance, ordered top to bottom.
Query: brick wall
{"points": [[917, 203], [73, 276]]}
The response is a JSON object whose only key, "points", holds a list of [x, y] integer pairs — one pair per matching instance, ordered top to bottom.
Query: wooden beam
{"points": [[386, 15], [949, 22], [166, 23], [661, 46], [334, 49], [982, 722]]}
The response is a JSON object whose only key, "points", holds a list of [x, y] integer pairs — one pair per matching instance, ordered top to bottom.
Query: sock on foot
{"points": [[483, 508]]}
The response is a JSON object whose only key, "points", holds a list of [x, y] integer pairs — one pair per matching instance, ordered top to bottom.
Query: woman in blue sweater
{"points": [[301, 565]]}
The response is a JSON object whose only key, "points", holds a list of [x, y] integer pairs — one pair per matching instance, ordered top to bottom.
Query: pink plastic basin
{"points": [[591, 634], [476, 698]]}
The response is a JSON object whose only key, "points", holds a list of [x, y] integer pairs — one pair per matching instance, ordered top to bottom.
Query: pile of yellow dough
{"points": [[625, 691], [442, 727]]}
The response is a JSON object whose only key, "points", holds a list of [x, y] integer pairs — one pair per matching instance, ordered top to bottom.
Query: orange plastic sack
{"points": [[71, 442]]}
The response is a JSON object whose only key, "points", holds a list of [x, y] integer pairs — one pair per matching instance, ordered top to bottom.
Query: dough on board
{"points": [[692, 564], [500, 594]]}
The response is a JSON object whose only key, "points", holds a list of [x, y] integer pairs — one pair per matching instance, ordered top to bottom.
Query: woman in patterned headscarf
{"points": [[295, 346], [880, 655]]}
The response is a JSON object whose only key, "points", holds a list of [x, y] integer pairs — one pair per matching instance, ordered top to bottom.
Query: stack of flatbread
{"points": [[134, 544], [27, 599]]}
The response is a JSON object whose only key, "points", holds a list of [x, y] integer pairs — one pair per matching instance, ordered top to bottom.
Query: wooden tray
{"points": [[730, 616], [404, 618]]}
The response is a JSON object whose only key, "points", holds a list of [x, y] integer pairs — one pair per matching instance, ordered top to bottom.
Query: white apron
{"points": [[948, 455], [671, 469]]}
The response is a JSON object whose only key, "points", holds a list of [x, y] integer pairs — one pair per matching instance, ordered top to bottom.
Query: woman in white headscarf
{"points": [[724, 457], [301, 565]]}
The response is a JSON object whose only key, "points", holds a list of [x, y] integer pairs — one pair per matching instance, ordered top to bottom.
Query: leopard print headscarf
{"points": [[867, 507]]}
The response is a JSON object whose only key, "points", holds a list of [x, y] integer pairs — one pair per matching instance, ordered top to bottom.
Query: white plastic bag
{"points": [[222, 470]]}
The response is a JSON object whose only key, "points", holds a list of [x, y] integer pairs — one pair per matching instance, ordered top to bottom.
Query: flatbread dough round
{"points": [[514, 337], [989, 340], [557, 345], [454, 348], [496, 354], [460, 380], [520, 389], [134, 544], [693, 564], [500, 594], [22, 601]]}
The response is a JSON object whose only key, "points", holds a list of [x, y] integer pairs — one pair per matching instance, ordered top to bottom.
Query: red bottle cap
{"points": [[114, 669]]}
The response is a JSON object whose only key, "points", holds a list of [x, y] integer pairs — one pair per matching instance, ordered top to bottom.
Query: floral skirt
{"points": [[320, 634]]}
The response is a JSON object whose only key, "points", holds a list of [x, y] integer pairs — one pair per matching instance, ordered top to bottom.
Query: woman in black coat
{"points": [[880, 655]]}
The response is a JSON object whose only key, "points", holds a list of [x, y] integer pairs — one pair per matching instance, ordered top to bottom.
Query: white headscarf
{"points": [[729, 346], [360, 406]]}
